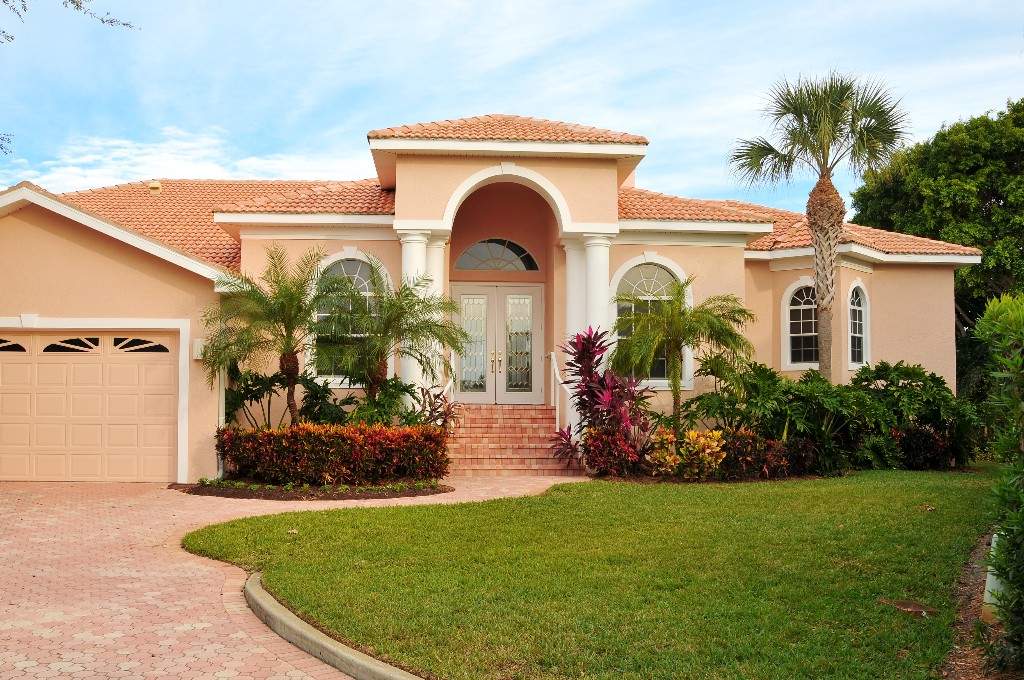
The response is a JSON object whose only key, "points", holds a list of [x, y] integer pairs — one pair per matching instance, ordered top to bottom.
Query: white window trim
{"points": [[348, 253], [652, 257], [182, 326], [788, 365], [853, 366]]}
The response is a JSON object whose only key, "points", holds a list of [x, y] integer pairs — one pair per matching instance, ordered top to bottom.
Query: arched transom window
{"points": [[496, 254], [651, 283], [803, 326], [857, 326]]}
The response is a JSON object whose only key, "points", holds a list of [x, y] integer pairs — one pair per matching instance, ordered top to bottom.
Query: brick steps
{"points": [[505, 440]]}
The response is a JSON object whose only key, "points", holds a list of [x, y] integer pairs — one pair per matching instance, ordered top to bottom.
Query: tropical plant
{"points": [[817, 125], [274, 316], [649, 327], [1002, 330], [362, 332], [251, 395], [321, 405], [614, 429]]}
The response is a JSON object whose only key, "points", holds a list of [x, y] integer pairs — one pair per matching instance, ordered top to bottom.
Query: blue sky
{"points": [[245, 89]]}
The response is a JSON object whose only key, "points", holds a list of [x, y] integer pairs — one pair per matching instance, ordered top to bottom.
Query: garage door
{"points": [[88, 406]]}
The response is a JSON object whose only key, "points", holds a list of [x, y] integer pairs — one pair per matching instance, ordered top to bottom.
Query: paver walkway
{"points": [[93, 583]]}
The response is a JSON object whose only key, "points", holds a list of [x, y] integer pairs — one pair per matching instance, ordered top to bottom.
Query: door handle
{"points": [[492, 361], [499, 362]]}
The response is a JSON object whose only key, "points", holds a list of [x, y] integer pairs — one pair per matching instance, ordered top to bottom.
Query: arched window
{"points": [[496, 254], [360, 273], [651, 284], [803, 326], [858, 326]]}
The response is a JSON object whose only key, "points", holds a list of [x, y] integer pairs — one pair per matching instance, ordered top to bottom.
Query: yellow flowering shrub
{"points": [[663, 459]]}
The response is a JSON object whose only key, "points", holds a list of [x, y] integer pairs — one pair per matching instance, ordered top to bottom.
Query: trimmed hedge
{"points": [[335, 454]]}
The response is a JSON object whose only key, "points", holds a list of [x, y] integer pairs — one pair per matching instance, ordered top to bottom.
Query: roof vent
{"points": [[155, 187]]}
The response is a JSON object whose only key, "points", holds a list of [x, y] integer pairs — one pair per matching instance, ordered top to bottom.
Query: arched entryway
{"points": [[501, 272]]}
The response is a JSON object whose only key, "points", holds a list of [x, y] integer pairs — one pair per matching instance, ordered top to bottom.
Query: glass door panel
{"points": [[518, 343], [503, 359], [475, 368]]}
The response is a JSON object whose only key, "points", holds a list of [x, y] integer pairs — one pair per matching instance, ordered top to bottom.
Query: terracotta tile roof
{"points": [[502, 127], [360, 197], [642, 204], [181, 215], [791, 231]]}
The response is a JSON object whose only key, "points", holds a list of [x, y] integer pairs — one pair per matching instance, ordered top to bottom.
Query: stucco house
{"points": [[530, 225]]}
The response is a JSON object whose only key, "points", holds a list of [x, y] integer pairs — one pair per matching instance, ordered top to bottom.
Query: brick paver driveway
{"points": [[93, 583]]}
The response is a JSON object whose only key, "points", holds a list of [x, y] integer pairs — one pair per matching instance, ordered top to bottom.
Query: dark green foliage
{"points": [[965, 185], [1002, 329], [251, 396], [320, 405], [889, 416], [1005, 649]]}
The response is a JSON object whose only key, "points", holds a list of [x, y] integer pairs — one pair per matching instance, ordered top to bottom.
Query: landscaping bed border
{"points": [[270, 492], [311, 640]]}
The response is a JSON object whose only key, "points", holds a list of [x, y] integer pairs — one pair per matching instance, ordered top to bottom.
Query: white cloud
{"points": [[94, 161]]}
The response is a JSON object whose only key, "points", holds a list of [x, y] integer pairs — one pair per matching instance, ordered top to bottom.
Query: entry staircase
{"points": [[505, 440]]}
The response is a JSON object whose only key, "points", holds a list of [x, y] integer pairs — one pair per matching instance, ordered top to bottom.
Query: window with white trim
{"points": [[360, 273], [650, 283], [803, 326], [857, 326]]}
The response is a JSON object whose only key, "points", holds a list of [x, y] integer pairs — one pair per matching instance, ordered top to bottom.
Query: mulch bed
{"points": [[313, 494], [966, 661]]}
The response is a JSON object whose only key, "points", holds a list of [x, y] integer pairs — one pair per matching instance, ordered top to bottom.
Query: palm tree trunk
{"points": [[825, 214], [289, 364], [675, 378]]}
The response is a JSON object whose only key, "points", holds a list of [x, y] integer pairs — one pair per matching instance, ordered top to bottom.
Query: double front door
{"points": [[503, 360]]}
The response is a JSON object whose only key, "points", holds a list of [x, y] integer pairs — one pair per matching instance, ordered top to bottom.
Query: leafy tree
{"points": [[19, 8], [817, 125], [964, 185], [272, 317], [670, 325], [362, 332]]}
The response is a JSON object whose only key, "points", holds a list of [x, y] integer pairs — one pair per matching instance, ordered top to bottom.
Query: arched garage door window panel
{"points": [[496, 254], [651, 283], [803, 326], [87, 344], [125, 344], [10, 346]]}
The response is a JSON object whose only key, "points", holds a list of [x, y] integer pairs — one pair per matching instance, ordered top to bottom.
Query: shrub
{"points": [[1002, 330], [614, 429], [334, 454], [701, 454], [748, 455], [662, 457], [1005, 648]]}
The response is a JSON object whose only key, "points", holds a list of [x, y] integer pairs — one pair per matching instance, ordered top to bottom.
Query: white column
{"points": [[597, 249], [437, 264], [414, 265], [575, 287]]}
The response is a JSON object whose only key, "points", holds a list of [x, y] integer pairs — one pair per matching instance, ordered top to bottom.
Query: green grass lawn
{"points": [[618, 580]]}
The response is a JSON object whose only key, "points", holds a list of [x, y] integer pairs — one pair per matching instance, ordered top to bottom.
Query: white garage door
{"points": [[88, 406]]}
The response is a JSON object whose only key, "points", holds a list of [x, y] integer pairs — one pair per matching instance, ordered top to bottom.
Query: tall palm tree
{"points": [[817, 125], [273, 317], [648, 327], [364, 330]]}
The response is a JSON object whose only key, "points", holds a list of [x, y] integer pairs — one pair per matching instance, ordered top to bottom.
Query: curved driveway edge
{"points": [[94, 582], [282, 621]]}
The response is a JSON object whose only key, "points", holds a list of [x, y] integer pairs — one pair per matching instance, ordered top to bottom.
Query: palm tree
{"points": [[818, 125], [272, 317], [646, 328], [364, 330]]}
